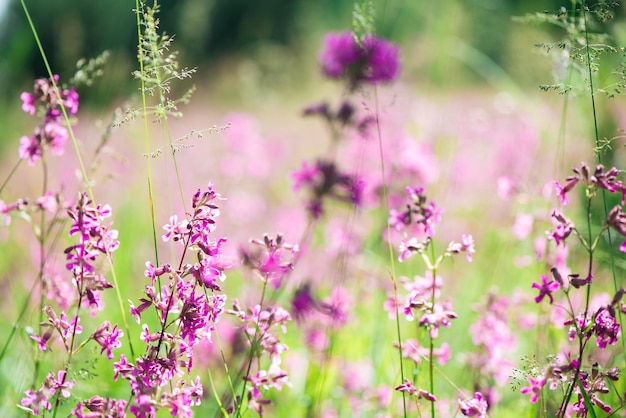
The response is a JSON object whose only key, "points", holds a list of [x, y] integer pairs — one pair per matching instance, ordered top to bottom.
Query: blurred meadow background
{"points": [[466, 120]]}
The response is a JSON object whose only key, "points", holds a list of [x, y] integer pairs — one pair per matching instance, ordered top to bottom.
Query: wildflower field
{"points": [[359, 226]]}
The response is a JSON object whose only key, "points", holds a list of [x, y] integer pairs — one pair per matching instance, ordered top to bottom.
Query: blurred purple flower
{"points": [[340, 51], [382, 59], [375, 61], [474, 407]]}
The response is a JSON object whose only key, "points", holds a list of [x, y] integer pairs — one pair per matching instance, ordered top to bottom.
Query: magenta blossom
{"points": [[373, 61], [545, 289], [409, 388], [534, 389], [474, 407]]}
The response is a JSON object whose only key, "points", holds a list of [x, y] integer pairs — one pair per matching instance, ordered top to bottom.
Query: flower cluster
{"points": [[372, 61], [48, 96], [344, 116], [600, 179], [325, 180], [419, 217], [95, 238], [272, 258], [316, 315], [604, 325], [259, 326], [495, 343], [170, 353], [581, 384], [588, 385], [36, 400], [97, 406]]}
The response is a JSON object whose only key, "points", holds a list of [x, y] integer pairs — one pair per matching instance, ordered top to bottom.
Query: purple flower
{"points": [[339, 53], [382, 59], [375, 61], [45, 93], [28, 105], [54, 136], [30, 148], [325, 180], [561, 191], [418, 213], [617, 220], [174, 229], [562, 230], [467, 245], [274, 261], [545, 289], [303, 303], [440, 316], [606, 328], [108, 338], [42, 341], [411, 349], [122, 368], [60, 384], [51, 385], [409, 388], [534, 389], [37, 400], [100, 407], [143, 407], [474, 407]]}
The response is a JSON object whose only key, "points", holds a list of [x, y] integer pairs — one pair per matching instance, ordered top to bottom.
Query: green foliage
{"points": [[583, 45]]}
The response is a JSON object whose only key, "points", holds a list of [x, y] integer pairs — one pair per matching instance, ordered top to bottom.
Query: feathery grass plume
{"points": [[363, 20], [581, 47], [160, 65], [88, 70]]}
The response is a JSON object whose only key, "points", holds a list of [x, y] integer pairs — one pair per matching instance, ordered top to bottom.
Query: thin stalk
{"points": [[162, 101], [144, 108], [599, 157], [13, 170], [87, 183], [42, 242], [391, 256], [30, 294], [19, 317], [431, 348], [71, 350], [252, 350], [216, 396]]}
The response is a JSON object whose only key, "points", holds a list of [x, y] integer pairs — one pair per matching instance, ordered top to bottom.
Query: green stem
{"points": [[144, 107], [599, 157], [13, 170], [86, 181], [41, 238], [390, 246], [253, 347], [431, 348]]}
